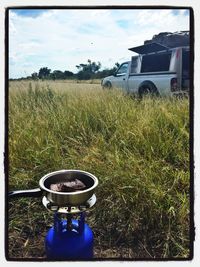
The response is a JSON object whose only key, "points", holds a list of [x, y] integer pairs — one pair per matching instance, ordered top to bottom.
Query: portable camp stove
{"points": [[70, 238]]}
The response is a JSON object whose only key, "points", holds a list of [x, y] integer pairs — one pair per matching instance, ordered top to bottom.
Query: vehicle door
{"points": [[120, 76]]}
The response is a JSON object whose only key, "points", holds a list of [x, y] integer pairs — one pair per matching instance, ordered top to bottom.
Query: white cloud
{"points": [[162, 19], [62, 39]]}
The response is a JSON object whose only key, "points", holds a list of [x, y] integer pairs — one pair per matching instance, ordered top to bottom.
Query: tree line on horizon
{"points": [[86, 71]]}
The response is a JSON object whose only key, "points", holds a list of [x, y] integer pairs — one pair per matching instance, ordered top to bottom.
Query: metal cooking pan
{"points": [[62, 198]]}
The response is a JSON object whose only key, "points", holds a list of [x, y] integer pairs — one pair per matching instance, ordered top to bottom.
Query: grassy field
{"points": [[139, 150]]}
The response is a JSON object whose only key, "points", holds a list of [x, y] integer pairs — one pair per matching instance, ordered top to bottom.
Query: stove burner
{"points": [[69, 209]]}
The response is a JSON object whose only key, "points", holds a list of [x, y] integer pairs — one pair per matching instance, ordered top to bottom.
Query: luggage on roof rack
{"points": [[171, 40]]}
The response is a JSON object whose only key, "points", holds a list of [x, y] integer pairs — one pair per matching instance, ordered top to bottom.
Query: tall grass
{"points": [[139, 150]]}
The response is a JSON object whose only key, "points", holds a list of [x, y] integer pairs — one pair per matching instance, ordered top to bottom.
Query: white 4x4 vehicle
{"points": [[157, 70]]}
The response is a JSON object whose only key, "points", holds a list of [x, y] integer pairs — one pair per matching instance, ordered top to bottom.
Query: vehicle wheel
{"points": [[107, 85], [147, 89]]}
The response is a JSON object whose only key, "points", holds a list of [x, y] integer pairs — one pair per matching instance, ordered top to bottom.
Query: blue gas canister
{"points": [[69, 239]]}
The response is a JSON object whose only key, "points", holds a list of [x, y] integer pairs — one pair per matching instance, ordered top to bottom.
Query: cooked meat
{"points": [[70, 186]]}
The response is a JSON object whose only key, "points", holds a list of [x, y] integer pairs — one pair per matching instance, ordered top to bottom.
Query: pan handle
{"points": [[37, 192]]}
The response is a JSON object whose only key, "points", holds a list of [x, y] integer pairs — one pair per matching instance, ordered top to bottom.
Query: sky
{"points": [[62, 39]]}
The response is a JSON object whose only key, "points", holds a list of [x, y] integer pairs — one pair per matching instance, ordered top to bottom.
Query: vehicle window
{"points": [[156, 62], [134, 64], [186, 64], [122, 69]]}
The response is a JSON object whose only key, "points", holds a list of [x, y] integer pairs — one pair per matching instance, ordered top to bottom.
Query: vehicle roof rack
{"points": [[148, 48]]}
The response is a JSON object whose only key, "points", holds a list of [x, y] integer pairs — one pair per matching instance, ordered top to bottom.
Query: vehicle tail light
{"points": [[174, 84]]}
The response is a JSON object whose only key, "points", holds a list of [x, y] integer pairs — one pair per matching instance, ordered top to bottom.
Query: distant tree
{"points": [[117, 65], [93, 66], [114, 69], [87, 71], [107, 72], [44, 73], [58, 74], [68, 74], [84, 75], [34, 76], [52, 76]]}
